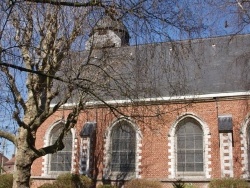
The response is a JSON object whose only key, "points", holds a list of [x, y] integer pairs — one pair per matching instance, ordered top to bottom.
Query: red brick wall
{"points": [[155, 122]]}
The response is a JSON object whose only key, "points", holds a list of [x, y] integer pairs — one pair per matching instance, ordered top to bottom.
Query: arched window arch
{"points": [[190, 146], [123, 148], [189, 158], [61, 160]]}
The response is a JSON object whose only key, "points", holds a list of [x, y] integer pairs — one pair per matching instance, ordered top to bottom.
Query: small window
{"points": [[189, 138], [123, 144], [61, 160]]}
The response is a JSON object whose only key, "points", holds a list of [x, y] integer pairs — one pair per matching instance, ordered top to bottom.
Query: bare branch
{"points": [[66, 3], [37, 72], [14, 88], [70, 123], [8, 136]]}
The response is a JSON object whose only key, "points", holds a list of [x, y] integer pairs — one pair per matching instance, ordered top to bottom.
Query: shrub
{"points": [[6, 181], [65, 181], [69, 181], [73, 181], [86, 181], [228, 182], [142, 183], [178, 184], [47, 185], [106, 186], [190, 186]]}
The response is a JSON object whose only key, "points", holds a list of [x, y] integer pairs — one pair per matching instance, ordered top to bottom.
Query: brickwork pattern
{"points": [[154, 150]]}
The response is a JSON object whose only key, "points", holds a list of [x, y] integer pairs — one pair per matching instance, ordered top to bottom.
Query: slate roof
{"points": [[202, 66], [191, 67]]}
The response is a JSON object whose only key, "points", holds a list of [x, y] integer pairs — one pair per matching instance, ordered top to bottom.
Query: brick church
{"points": [[169, 111]]}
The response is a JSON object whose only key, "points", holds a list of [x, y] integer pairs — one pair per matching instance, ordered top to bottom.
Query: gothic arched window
{"points": [[189, 142], [123, 148], [61, 160]]}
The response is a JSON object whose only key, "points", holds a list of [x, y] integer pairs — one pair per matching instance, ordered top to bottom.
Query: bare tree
{"points": [[42, 39]]}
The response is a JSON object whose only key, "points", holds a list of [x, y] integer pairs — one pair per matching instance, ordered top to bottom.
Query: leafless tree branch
{"points": [[8, 136]]}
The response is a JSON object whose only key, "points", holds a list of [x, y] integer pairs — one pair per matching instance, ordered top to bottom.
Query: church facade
{"points": [[182, 112]]}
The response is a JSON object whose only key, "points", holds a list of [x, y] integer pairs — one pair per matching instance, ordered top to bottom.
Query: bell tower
{"points": [[108, 33]]}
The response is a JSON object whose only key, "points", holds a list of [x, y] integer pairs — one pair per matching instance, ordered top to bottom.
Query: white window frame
{"points": [[46, 158], [172, 164], [188, 173], [108, 174]]}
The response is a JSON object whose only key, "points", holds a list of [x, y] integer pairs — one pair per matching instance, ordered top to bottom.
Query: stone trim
{"points": [[167, 99], [244, 146], [171, 148], [75, 151], [226, 154], [85, 155], [45, 163], [107, 171]]}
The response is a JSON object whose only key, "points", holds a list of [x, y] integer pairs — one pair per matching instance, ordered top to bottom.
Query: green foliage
{"points": [[6, 180], [66, 181], [69, 181], [86, 181], [142, 183], [228, 183], [178, 184], [47, 185], [106, 186], [190, 186]]}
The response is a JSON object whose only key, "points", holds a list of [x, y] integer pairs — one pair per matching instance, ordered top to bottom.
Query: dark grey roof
{"points": [[202, 66], [191, 67]]}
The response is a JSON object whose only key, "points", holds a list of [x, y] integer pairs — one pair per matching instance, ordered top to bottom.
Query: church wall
{"points": [[155, 123]]}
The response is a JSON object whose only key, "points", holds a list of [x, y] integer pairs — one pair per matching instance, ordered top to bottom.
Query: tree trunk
{"points": [[24, 160]]}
